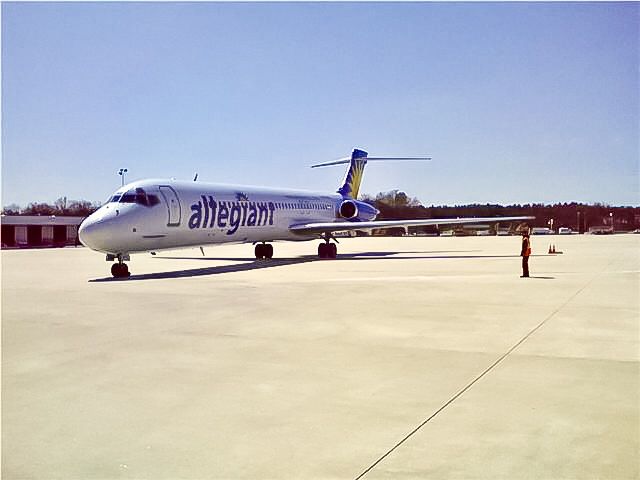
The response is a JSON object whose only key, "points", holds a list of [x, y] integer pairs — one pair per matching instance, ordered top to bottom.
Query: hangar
{"points": [[28, 231]]}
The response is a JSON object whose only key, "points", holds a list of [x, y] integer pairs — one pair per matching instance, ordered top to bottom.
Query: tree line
{"points": [[396, 204], [61, 207]]}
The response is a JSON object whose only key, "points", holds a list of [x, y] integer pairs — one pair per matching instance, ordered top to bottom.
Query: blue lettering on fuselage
{"points": [[210, 213]]}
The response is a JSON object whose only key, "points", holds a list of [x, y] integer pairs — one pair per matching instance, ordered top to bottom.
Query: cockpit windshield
{"points": [[138, 196]]}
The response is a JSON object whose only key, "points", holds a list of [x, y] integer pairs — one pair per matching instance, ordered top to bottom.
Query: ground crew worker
{"points": [[525, 252]]}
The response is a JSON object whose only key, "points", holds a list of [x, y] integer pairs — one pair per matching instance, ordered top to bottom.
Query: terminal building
{"points": [[29, 231]]}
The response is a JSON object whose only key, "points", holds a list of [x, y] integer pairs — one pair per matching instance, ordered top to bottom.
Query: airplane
{"points": [[151, 215]]}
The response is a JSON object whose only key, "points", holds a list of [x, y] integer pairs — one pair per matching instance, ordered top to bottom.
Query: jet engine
{"points": [[348, 209], [357, 211]]}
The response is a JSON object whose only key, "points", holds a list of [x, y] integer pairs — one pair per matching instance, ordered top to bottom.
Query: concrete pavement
{"points": [[407, 357]]}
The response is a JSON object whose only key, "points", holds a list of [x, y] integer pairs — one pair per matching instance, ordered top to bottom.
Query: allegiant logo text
{"points": [[209, 213]]}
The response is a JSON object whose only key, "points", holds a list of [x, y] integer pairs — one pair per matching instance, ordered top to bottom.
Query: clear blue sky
{"points": [[516, 102]]}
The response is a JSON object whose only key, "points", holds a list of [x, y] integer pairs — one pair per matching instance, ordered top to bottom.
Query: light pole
{"points": [[121, 172], [611, 217], [578, 229]]}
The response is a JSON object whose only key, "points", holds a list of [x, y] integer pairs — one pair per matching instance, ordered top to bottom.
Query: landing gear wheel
{"points": [[264, 250], [327, 250], [120, 270]]}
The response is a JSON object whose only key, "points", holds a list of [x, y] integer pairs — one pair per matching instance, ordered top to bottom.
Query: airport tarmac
{"points": [[413, 357]]}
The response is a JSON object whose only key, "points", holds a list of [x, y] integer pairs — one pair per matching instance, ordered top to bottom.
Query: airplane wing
{"points": [[324, 227]]}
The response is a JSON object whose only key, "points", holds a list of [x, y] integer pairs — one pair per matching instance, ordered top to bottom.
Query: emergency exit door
{"points": [[173, 203]]}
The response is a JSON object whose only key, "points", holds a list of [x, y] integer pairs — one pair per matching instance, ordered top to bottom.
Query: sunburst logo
{"points": [[356, 176], [351, 184], [242, 197]]}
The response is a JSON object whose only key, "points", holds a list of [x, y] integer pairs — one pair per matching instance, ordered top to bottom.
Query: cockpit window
{"points": [[128, 197], [140, 197], [115, 198], [152, 200]]}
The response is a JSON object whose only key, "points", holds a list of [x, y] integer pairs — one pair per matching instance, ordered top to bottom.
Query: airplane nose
{"points": [[92, 234]]}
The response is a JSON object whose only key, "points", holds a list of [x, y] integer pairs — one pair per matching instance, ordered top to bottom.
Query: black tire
{"points": [[268, 250], [322, 250], [333, 250], [259, 251], [120, 270]]}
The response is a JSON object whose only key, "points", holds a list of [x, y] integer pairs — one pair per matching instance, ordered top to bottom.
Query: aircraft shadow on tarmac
{"points": [[343, 256], [251, 263]]}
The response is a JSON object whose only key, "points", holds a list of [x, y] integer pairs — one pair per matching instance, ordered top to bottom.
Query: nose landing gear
{"points": [[119, 269]]}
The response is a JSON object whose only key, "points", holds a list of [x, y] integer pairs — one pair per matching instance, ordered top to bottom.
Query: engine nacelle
{"points": [[348, 209], [358, 211], [366, 212]]}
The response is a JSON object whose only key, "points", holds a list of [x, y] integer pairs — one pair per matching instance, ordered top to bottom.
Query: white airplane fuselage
{"points": [[198, 213], [152, 215]]}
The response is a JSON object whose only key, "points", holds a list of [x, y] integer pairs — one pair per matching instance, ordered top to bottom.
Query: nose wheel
{"points": [[264, 250], [120, 269]]}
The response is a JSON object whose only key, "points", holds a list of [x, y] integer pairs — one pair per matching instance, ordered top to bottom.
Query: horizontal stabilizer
{"points": [[342, 161], [353, 177]]}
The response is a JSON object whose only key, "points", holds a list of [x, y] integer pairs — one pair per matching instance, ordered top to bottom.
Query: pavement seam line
{"points": [[484, 372]]}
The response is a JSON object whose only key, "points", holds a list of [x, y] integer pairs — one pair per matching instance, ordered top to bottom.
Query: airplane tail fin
{"points": [[352, 179]]}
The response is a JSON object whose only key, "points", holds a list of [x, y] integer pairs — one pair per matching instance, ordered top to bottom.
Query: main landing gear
{"points": [[327, 249], [264, 250], [119, 269]]}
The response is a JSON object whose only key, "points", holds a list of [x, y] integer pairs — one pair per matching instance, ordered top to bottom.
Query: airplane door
{"points": [[171, 198]]}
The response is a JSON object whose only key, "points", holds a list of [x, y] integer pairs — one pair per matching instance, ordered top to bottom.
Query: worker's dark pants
{"points": [[525, 266]]}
